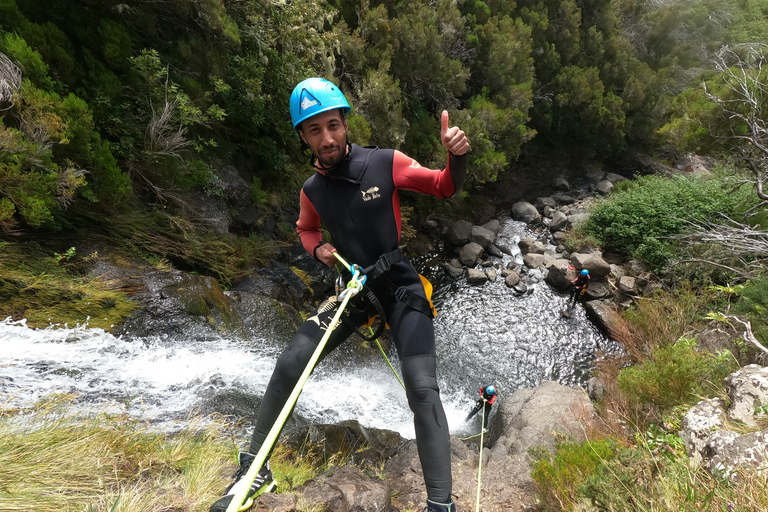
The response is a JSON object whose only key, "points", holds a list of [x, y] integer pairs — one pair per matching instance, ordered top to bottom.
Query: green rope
{"points": [[387, 360], [239, 494]]}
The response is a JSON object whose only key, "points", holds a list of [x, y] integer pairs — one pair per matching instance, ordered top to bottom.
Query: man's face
{"points": [[326, 136]]}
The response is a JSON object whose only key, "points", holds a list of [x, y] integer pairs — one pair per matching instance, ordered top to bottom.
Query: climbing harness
{"points": [[353, 288]]}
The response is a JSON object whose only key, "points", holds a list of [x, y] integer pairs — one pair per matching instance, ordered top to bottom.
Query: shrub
{"points": [[638, 219], [676, 374]]}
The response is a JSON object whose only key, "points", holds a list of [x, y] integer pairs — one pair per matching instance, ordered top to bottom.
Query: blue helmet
{"points": [[314, 96], [585, 272], [490, 390]]}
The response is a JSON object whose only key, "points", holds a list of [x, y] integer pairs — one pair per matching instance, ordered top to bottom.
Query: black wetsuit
{"points": [[358, 203]]}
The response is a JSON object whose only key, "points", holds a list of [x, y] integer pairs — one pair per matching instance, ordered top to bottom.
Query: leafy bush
{"points": [[636, 220], [676, 374]]}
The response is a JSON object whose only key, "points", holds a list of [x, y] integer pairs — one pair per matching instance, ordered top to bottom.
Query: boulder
{"points": [[604, 187], [542, 202], [525, 212], [559, 222], [493, 225], [458, 233], [482, 236], [470, 254], [603, 316]]}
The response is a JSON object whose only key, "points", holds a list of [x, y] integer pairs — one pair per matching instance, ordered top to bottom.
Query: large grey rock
{"points": [[615, 178], [604, 187], [542, 202], [525, 212], [577, 219], [559, 222], [493, 225], [458, 233], [482, 236], [525, 244], [470, 254], [533, 260], [597, 266], [453, 271], [559, 275], [627, 285], [597, 290], [602, 315], [748, 390], [530, 417]]}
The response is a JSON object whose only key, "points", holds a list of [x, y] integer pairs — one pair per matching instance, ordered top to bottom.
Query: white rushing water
{"points": [[485, 335]]}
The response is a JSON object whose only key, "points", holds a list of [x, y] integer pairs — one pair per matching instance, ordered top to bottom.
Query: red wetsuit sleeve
{"points": [[408, 174], [308, 225], [493, 399]]}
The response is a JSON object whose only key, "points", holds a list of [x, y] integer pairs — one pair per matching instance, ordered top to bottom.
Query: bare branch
{"points": [[10, 79], [161, 138], [748, 335]]}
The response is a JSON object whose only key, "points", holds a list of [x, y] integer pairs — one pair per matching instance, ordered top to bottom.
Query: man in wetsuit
{"points": [[354, 195], [579, 286], [487, 398]]}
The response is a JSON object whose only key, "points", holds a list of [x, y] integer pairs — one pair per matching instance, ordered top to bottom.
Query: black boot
{"points": [[264, 482], [440, 507]]}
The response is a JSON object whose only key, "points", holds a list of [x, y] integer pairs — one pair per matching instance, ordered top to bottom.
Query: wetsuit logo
{"points": [[371, 193]]}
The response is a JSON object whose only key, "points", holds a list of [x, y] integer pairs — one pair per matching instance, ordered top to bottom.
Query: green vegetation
{"points": [[642, 215], [41, 288], [53, 459]]}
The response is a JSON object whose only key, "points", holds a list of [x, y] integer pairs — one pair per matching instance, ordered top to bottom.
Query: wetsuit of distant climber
{"points": [[354, 195], [580, 285], [487, 398]]}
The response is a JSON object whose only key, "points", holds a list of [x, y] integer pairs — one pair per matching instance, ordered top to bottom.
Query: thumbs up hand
{"points": [[453, 139]]}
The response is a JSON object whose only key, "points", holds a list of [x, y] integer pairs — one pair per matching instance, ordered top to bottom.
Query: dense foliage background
{"points": [[111, 113]]}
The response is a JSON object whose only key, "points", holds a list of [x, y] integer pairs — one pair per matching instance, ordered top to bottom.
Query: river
{"points": [[485, 335]]}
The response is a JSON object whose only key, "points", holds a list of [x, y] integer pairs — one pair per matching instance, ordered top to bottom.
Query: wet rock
{"points": [[525, 212], [493, 225], [458, 233], [481, 236], [525, 244], [494, 251], [470, 254], [453, 271], [491, 275], [559, 275], [475, 276], [512, 278]]}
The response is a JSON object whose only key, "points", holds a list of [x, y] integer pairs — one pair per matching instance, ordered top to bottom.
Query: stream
{"points": [[485, 335]]}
